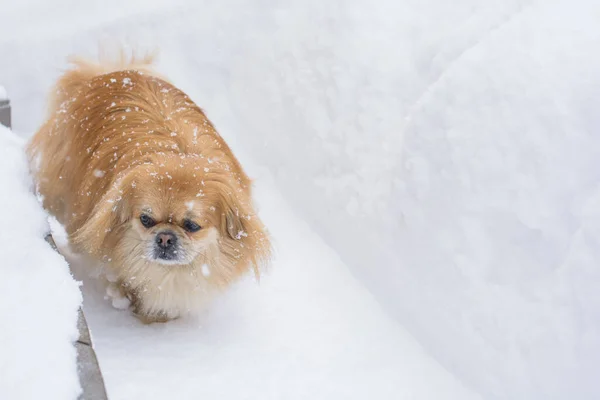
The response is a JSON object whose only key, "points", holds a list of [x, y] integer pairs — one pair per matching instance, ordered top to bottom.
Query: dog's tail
{"points": [[84, 69]]}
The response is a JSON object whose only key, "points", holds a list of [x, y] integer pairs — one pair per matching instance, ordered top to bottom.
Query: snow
{"points": [[3, 94], [445, 151], [448, 152], [205, 270], [38, 296]]}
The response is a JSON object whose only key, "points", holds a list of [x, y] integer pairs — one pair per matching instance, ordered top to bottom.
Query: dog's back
{"points": [[85, 69], [102, 116], [50, 150]]}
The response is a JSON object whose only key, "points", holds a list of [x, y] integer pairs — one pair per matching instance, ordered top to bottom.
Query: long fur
{"points": [[119, 139]]}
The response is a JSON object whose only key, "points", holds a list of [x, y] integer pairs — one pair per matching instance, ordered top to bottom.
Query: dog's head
{"points": [[178, 212]]}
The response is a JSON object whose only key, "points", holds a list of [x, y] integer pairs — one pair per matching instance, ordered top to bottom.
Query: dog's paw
{"points": [[116, 296], [154, 319]]}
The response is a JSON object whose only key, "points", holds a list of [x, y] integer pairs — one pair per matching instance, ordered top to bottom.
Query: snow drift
{"points": [[449, 152], [38, 297]]}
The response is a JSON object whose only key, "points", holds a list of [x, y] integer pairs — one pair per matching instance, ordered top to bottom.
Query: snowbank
{"points": [[450, 154], [38, 297]]}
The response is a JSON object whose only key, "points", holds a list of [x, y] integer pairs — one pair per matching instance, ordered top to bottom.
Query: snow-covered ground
{"points": [[447, 152], [38, 297]]}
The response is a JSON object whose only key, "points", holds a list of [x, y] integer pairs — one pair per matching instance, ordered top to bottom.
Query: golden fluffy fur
{"points": [[121, 142]]}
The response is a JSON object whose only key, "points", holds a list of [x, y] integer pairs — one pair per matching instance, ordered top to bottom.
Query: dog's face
{"points": [[178, 212], [171, 223]]}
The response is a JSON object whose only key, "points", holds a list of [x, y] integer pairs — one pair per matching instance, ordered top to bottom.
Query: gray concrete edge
{"points": [[5, 118], [88, 368]]}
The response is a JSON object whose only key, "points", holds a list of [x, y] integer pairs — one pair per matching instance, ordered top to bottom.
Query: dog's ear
{"points": [[109, 215], [242, 232]]}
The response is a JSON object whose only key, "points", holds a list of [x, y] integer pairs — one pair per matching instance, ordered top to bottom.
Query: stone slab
{"points": [[5, 113]]}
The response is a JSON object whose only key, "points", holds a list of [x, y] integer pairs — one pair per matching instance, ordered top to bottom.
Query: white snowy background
{"points": [[430, 170]]}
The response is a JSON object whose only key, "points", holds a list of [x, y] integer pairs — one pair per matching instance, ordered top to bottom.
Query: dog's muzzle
{"points": [[166, 246]]}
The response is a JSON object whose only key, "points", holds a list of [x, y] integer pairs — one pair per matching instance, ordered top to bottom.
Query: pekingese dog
{"points": [[143, 183]]}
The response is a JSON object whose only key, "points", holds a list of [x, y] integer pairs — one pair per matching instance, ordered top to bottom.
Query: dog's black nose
{"points": [[166, 240]]}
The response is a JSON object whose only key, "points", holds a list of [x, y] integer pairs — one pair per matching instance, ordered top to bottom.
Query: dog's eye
{"points": [[147, 221], [191, 226]]}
